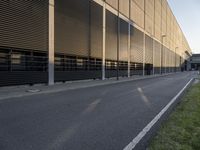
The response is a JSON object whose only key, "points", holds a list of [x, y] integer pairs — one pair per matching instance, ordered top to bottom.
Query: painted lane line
{"points": [[139, 137]]}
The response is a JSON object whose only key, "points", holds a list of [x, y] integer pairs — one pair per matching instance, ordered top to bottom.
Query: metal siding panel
{"points": [[113, 3], [140, 3], [124, 7], [137, 14], [149, 16], [164, 18], [158, 19], [24, 24], [148, 24], [72, 27], [111, 36], [96, 41], [136, 45], [148, 50], [157, 53], [123, 55]]}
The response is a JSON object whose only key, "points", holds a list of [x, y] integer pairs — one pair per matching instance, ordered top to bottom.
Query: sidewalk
{"points": [[25, 90]]}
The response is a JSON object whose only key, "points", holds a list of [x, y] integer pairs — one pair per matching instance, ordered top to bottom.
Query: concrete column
{"points": [[144, 39], [104, 41], [51, 44], [129, 49], [144, 49], [153, 57], [161, 58], [165, 61]]}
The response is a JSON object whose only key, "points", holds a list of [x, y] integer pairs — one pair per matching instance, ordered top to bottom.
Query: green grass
{"points": [[182, 130]]}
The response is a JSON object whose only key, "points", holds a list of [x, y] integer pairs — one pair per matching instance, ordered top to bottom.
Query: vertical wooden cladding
{"points": [[113, 3], [140, 3], [124, 7], [137, 13], [149, 16], [164, 18], [158, 19], [168, 22], [24, 24], [72, 27], [96, 27], [173, 27], [78, 28], [171, 31], [111, 36], [136, 45], [148, 50], [123, 54], [157, 54], [167, 54], [164, 56], [172, 56]]}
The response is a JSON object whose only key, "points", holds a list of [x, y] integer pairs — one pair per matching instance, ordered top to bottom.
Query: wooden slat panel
{"points": [[24, 24], [72, 27], [136, 45]]}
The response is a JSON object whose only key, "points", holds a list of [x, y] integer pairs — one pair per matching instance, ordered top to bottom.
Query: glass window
{"points": [[16, 58]]}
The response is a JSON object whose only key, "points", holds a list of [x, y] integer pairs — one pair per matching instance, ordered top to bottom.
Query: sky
{"points": [[187, 13]]}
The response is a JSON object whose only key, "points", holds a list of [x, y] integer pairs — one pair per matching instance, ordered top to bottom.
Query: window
{"points": [[16, 58], [4, 61], [79, 62]]}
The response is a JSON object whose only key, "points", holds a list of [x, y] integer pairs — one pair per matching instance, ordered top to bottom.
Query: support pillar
{"points": [[144, 39], [104, 41], [51, 44], [161, 48], [144, 49], [129, 50], [153, 57]]}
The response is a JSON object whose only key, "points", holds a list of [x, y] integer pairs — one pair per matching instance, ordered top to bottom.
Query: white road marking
{"points": [[139, 137]]}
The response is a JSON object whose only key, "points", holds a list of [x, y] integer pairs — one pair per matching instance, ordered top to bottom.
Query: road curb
{"points": [[84, 85]]}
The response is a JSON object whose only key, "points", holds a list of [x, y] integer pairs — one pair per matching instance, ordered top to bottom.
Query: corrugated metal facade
{"points": [[24, 24], [72, 27], [23, 33], [111, 36], [155, 37], [78, 39], [137, 45], [148, 50], [123, 53], [157, 57]]}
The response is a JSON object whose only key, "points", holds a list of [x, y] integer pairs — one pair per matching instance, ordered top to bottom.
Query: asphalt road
{"points": [[104, 117]]}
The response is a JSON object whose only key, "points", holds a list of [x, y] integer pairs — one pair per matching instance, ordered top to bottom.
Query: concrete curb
{"points": [[64, 86]]}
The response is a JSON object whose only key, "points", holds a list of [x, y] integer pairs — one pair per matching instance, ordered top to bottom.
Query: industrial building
{"points": [[47, 41], [194, 62]]}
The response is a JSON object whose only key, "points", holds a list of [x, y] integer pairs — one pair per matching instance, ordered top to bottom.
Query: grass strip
{"points": [[181, 131]]}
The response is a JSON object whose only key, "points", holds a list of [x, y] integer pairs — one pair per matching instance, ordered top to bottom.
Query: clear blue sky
{"points": [[187, 13]]}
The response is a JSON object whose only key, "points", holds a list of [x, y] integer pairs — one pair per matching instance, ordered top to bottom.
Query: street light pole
{"points": [[175, 58]]}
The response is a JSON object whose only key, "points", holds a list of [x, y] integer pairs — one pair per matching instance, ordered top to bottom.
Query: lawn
{"points": [[182, 130]]}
